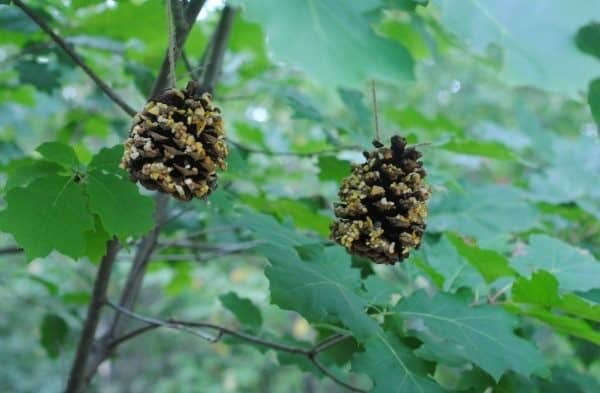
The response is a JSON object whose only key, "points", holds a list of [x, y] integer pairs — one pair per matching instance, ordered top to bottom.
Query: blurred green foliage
{"points": [[504, 294]]}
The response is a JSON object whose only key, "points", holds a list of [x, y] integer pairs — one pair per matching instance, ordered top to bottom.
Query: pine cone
{"points": [[176, 144], [383, 208]]}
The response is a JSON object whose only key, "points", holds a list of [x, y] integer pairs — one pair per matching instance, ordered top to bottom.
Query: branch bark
{"points": [[183, 26], [217, 47], [75, 57], [149, 243], [76, 376]]}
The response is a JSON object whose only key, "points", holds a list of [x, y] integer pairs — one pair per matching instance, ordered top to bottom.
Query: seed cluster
{"points": [[176, 144], [382, 209]]}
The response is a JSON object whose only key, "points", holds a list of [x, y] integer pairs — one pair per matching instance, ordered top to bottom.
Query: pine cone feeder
{"points": [[176, 144], [382, 211]]}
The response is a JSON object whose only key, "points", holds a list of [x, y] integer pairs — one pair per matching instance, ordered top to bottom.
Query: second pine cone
{"points": [[382, 209]]}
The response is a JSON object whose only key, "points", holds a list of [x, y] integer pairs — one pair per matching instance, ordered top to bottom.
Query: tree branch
{"points": [[183, 26], [218, 45], [75, 57], [148, 243], [184, 326], [76, 376]]}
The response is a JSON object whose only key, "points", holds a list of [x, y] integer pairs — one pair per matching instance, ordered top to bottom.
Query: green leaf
{"points": [[336, 30], [588, 39], [527, 60], [44, 76], [143, 77], [594, 99], [303, 106], [362, 115], [494, 150], [59, 153], [108, 160], [332, 168], [24, 171], [572, 174], [122, 210], [488, 213], [49, 214], [302, 215], [269, 230], [95, 241], [490, 264], [576, 269], [456, 271], [181, 280], [51, 287], [321, 289], [542, 289], [379, 291], [79, 298], [579, 307], [244, 310], [561, 323], [54, 331], [484, 332], [393, 368], [570, 379]]}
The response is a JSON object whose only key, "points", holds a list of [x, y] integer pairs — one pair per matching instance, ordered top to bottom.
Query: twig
{"points": [[171, 5], [183, 26], [75, 57], [191, 71], [210, 73], [375, 111], [291, 153], [11, 250], [493, 299], [328, 342], [310, 353], [76, 376], [334, 377]]}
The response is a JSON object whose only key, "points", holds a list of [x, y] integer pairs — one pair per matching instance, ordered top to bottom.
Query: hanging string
{"points": [[172, 42], [375, 111]]}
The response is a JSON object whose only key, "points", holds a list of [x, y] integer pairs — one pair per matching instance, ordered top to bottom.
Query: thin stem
{"points": [[183, 26], [172, 42], [218, 46], [76, 58], [191, 71], [375, 111], [291, 153], [11, 250], [132, 334], [328, 342], [310, 354], [76, 376], [334, 377]]}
